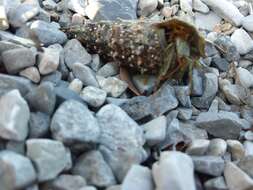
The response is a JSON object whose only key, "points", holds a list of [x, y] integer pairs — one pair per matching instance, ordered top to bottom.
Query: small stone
{"points": [[49, 4], [77, 6], [199, 6], [146, 7], [226, 10], [22, 13], [77, 19], [207, 21], [247, 23], [4, 25], [48, 33], [239, 37], [75, 52], [17, 59], [49, 60], [96, 63], [220, 63], [245, 64], [108, 70], [31, 73], [85, 74], [244, 77], [54, 78], [145, 84], [76, 85], [113, 86], [63, 94], [183, 95], [93, 96], [42, 98], [214, 107], [184, 113], [14, 116], [38, 125], [226, 125], [84, 127], [155, 130], [248, 135], [121, 140], [16, 146], [198, 147], [217, 147], [248, 147], [236, 149], [49, 157], [176, 164], [246, 164], [210, 165], [18, 169], [94, 169], [138, 177], [235, 178], [65, 182], [217, 183]]}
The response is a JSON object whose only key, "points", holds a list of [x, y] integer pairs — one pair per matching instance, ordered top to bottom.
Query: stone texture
{"points": [[146, 7], [207, 21], [247, 23], [108, 70], [31, 73], [244, 77], [76, 85], [93, 96], [38, 125], [198, 147], [217, 147], [236, 149], [217, 183]]}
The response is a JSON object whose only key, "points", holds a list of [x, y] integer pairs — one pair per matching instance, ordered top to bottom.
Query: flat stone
{"points": [[49, 4], [186, 5], [77, 6], [199, 6], [146, 7], [101, 10], [226, 10], [22, 13], [207, 21], [247, 23], [4, 25], [48, 33], [239, 37], [6, 45], [75, 52], [17, 59], [96, 63], [220, 63], [108, 70], [31, 73], [85, 74], [244, 77], [54, 78], [197, 83], [76, 85], [113, 86], [210, 90], [63, 94], [183, 95], [93, 96], [42, 98], [184, 113], [14, 116], [38, 125], [226, 125], [69, 128], [155, 130], [121, 140], [198, 147], [217, 147], [248, 147], [236, 149], [49, 157], [176, 164], [246, 164], [210, 165], [94, 169], [19, 170], [138, 177], [235, 178], [65, 182], [217, 183]]}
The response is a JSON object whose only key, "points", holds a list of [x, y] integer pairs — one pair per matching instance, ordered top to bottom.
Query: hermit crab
{"points": [[168, 49]]}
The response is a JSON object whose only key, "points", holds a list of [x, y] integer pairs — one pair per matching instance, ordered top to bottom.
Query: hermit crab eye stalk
{"points": [[168, 49]]}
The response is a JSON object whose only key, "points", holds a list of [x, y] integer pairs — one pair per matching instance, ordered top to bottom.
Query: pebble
{"points": [[49, 4], [77, 6], [199, 6], [146, 7], [226, 10], [22, 13], [207, 21], [247, 23], [4, 25], [48, 33], [239, 37], [74, 52], [17, 59], [49, 61], [96, 63], [220, 63], [108, 70], [31, 73], [85, 74], [244, 77], [54, 78], [197, 83], [76, 85], [113, 86], [64, 93], [183, 95], [93, 96], [42, 98], [184, 114], [14, 117], [38, 125], [226, 125], [69, 128], [155, 130], [121, 140], [198, 147], [217, 147], [248, 147], [236, 149], [49, 157], [176, 164], [210, 165], [92, 167], [19, 169], [138, 177], [235, 178], [65, 182], [217, 183]]}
